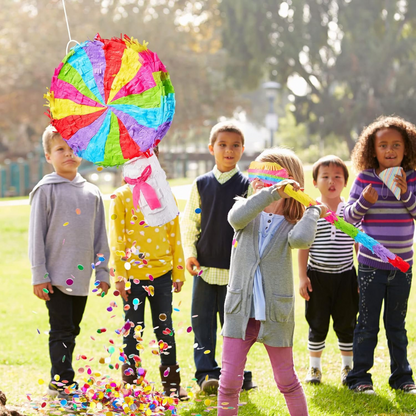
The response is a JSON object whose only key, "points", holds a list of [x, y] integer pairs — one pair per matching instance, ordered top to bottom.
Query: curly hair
{"points": [[363, 153]]}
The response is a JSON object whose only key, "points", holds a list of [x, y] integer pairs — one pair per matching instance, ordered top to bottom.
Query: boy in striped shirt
{"points": [[327, 277]]}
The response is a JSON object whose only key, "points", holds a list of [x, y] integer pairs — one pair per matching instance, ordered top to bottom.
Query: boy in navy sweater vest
{"points": [[207, 240]]}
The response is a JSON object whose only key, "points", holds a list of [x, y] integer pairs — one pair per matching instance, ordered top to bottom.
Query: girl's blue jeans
{"points": [[391, 287], [161, 309]]}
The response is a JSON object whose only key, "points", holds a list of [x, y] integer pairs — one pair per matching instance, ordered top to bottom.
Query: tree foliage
{"points": [[356, 58]]}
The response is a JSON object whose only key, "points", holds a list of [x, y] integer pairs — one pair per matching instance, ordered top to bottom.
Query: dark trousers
{"points": [[376, 286], [336, 295], [207, 302], [161, 309], [65, 315]]}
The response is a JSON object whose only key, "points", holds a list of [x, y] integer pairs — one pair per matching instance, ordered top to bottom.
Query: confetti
{"points": [[99, 168], [113, 196], [78, 211], [198, 211], [66, 223], [80, 267], [69, 282], [45, 290], [189, 329], [207, 351]]}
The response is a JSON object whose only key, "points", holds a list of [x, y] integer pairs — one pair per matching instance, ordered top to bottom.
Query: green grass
{"points": [[24, 352]]}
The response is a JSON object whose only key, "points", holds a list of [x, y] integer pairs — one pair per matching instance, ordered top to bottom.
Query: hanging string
{"points": [[67, 26]]}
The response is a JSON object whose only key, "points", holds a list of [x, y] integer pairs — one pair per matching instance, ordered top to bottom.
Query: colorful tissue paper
{"points": [[111, 99], [268, 173], [388, 176]]}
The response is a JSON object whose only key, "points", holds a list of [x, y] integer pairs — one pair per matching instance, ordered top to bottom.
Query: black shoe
{"points": [[248, 381], [248, 385]]}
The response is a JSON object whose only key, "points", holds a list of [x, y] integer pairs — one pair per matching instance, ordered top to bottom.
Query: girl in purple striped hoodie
{"points": [[386, 143]]}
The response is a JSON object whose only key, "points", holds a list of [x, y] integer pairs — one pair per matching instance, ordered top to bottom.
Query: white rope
{"points": [[67, 26]]}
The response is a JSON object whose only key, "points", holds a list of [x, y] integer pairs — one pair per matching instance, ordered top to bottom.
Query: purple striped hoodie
{"points": [[389, 221]]}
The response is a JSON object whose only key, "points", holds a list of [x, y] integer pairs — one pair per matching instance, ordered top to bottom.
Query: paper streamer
{"points": [[274, 173], [364, 239]]}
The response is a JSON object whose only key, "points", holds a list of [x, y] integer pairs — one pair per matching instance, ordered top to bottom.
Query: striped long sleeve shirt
{"points": [[389, 221]]}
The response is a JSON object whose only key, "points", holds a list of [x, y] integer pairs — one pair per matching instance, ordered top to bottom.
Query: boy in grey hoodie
{"points": [[67, 239]]}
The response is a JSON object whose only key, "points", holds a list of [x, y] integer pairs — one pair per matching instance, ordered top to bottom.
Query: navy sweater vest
{"points": [[214, 244]]}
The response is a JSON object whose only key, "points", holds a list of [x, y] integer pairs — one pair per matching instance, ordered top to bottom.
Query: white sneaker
{"points": [[314, 376]]}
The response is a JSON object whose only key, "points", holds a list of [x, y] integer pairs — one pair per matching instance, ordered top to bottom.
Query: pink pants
{"points": [[234, 357]]}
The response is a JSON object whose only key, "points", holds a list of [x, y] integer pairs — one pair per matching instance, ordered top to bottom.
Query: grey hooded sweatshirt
{"points": [[67, 234]]}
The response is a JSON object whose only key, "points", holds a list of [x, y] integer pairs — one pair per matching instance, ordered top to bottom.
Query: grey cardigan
{"points": [[275, 266]]}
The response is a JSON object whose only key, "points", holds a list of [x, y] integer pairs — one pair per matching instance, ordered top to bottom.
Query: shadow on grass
{"points": [[332, 400], [207, 405]]}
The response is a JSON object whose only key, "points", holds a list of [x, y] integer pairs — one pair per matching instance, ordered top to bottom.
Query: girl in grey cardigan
{"points": [[260, 296]]}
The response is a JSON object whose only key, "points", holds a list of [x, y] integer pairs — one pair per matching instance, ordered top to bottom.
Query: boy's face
{"points": [[227, 150], [62, 158], [330, 181]]}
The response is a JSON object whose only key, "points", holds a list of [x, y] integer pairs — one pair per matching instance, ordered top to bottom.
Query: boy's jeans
{"points": [[376, 285], [207, 301], [65, 315]]}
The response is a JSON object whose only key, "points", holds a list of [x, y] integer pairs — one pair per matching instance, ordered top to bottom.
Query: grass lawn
{"points": [[24, 350]]}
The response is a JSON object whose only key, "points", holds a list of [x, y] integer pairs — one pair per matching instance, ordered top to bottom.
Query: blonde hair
{"points": [[224, 127], [48, 136], [286, 158]]}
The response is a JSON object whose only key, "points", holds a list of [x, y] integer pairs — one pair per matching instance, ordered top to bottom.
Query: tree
{"points": [[33, 37], [355, 58]]}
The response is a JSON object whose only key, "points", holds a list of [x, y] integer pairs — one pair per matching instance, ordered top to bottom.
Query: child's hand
{"points": [[401, 182], [281, 186], [370, 194], [324, 210], [192, 265], [177, 286], [121, 287], [305, 287], [104, 288], [40, 293]]}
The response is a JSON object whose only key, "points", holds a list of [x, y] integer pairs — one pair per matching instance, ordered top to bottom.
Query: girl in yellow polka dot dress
{"points": [[147, 262]]}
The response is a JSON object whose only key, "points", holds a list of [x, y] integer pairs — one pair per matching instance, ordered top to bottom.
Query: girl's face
{"points": [[389, 149]]}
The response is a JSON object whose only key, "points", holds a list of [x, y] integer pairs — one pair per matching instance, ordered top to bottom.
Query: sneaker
{"points": [[344, 373], [314, 376], [210, 385], [364, 388], [409, 388], [63, 391]]}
